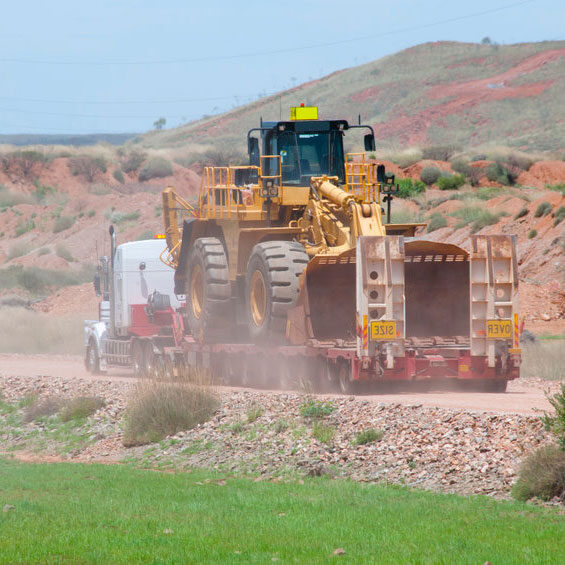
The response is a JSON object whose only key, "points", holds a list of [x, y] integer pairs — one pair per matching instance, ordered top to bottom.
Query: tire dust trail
{"points": [[523, 396]]}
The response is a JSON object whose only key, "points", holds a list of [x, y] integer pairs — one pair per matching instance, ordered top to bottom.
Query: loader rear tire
{"points": [[271, 288], [208, 290]]}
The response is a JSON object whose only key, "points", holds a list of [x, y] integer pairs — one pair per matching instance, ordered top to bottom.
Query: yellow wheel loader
{"points": [[288, 259]]}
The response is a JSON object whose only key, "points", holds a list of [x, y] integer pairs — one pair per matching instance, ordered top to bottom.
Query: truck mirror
{"points": [[369, 142], [253, 150], [97, 285]]}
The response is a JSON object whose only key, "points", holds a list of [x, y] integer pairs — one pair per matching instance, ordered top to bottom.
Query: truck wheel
{"points": [[271, 288], [208, 289], [92, 359], [149, 360]]}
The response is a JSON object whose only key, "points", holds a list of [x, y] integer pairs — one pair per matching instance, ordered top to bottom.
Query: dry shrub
{"points": [[440, 152], [224, 156], [405, 158], [133, 161], [86, 166], [155, 168], [99, 188], [9, 198], [63, 223], [18, 249], [13, 300], [25, 331], [545, 359], [81, 407], [44, 408], [158, 409], [542, 475]]}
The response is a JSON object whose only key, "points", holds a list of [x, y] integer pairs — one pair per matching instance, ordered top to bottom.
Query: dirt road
{"points": [[523, 396]]}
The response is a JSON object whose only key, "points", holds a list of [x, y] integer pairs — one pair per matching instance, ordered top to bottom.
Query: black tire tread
{"points": [[210, 252], [284, 262]]}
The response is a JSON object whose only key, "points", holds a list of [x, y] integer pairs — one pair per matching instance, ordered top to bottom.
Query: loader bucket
{"points": [[436, 279], [435, 291], [327, 298]]}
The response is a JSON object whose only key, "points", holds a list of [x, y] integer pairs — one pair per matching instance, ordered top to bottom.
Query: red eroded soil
{"points": [[457, 98], [415, 170], [548, 172], [71, 300]]}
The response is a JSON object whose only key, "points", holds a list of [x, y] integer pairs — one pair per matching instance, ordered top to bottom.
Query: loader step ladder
{"points": [[361, 178], [494, 294], [380, 296]]}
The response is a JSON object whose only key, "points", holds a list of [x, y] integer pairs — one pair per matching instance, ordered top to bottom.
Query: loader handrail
{"points": [[173, 203]]}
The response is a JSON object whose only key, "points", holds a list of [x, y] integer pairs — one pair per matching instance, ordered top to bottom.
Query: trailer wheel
{"points": [[271, 288], [208, 289], [92, 358], [137, 359], [149, 360], [343, 377], [495, 385]]}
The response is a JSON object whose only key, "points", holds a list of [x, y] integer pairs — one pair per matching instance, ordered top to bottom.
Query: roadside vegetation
{"points": [[37, 281], [26, 331], [544, 359], [159, 408], [57, 423], [542, 474], [120, 514]]}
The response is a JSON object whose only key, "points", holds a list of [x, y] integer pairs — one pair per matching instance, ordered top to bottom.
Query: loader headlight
{"points": [[270, 190]]}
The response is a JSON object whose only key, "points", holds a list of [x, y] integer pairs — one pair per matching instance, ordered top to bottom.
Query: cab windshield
{"points": [[305, 155]]}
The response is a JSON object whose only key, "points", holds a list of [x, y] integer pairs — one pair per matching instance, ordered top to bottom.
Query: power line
{"points": [[272, 52], [120, 102], [99, 116], [121, 117], [56, 131]]}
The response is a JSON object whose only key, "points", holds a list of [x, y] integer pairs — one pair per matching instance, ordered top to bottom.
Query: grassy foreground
{"points": [[116, 514]]}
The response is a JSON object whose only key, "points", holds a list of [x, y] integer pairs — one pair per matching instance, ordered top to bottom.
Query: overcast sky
{"points": [[79, 66]]}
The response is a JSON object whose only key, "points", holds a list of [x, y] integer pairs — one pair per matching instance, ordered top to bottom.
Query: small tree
{"points": [[486, 40], [160, 123]]}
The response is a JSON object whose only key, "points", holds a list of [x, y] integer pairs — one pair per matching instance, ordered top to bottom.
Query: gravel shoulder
{"points": [[524, 396], [451, 442]]}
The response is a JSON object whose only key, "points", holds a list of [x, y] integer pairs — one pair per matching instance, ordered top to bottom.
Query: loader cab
{"points": [[307, 148]]}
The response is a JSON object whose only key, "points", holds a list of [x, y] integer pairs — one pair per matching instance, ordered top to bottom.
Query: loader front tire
{"points": [[271, 288], [208, 290]]}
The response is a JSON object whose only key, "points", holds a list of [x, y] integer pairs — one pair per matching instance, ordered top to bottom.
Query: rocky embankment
{"points": [[269, 436]]}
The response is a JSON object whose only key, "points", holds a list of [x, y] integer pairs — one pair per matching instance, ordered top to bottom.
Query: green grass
{"points": [[477, 216], [437, 221], [317, 409], [323, 432], [368, 436], [70, 513]]}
